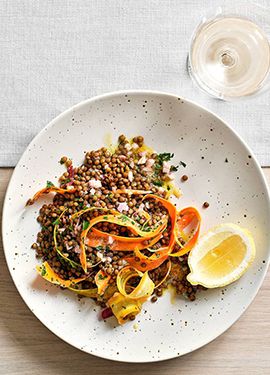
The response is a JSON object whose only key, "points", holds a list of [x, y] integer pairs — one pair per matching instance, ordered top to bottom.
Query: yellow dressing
{"points": [[108, 142]]}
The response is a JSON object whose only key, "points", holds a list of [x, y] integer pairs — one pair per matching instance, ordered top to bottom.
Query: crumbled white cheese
{"points": [[128, 146], [135, 146], [122, 157], [142, 160], [150, 163], [131, 164], [166, 167], [130, 176], [95, 184], [70, 187], [92, 191], [122, 207], [141, 207], [110, 240], [77, 249], [101, 256]]}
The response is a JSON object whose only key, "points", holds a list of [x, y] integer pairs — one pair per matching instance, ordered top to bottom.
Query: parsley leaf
{"points": [[165, 156], [183, 164], [174, 168], [157, 183], [49, 184], [85, 225]]}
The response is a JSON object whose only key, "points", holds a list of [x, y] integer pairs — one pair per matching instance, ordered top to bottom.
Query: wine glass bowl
{"points": [[229, 56]]}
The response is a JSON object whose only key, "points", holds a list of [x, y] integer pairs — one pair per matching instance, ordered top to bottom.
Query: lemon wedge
{"points": [[221, 256]]}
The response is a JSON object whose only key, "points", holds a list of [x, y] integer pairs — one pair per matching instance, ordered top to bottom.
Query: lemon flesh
{"points": [[221, 256], [219, 261]]}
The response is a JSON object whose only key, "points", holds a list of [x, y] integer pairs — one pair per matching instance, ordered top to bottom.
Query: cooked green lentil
{"points": [[97, 181]]}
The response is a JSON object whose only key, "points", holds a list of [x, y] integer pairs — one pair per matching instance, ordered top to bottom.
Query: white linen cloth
{"points": [[55, 53]]}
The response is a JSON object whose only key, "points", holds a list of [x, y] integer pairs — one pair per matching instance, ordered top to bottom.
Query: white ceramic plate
{"points": [[221, 169]]}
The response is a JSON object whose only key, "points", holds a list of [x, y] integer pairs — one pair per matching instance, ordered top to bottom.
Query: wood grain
{"points": [[27, 347]]}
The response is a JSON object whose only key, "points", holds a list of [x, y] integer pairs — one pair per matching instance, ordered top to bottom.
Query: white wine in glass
{"points": [[229, 57]]}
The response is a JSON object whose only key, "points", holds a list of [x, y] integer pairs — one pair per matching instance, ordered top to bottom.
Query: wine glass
{"points": [[229, 56]]}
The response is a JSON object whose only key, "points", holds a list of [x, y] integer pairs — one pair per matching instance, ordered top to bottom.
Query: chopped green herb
{"points": [[166, 156], [183, 164], [174, 168], [67, 180], [158, 183], [49, 184], [105, 217], [124, 218], [56, 222], [85, 225], [44, 228], [99, 248], [43, 270], [102, 277]]}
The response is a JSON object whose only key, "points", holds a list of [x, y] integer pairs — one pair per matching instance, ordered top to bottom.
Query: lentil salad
{"points": [[111, 232]]}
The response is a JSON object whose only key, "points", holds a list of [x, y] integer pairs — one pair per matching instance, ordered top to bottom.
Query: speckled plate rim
{"points": [[112, 95]]}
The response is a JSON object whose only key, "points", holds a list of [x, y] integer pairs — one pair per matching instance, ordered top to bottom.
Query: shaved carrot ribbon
{"points": [[48, 190], [172, 215], [188, 218], [121, 220], [118, 243], [141, 261], [144, 263], [50, 275], [102, 281], [142, 291], [91, 293], [122, 307]]}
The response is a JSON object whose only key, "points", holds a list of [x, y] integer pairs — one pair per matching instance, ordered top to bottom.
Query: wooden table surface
{"points": [[27, 347]]}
